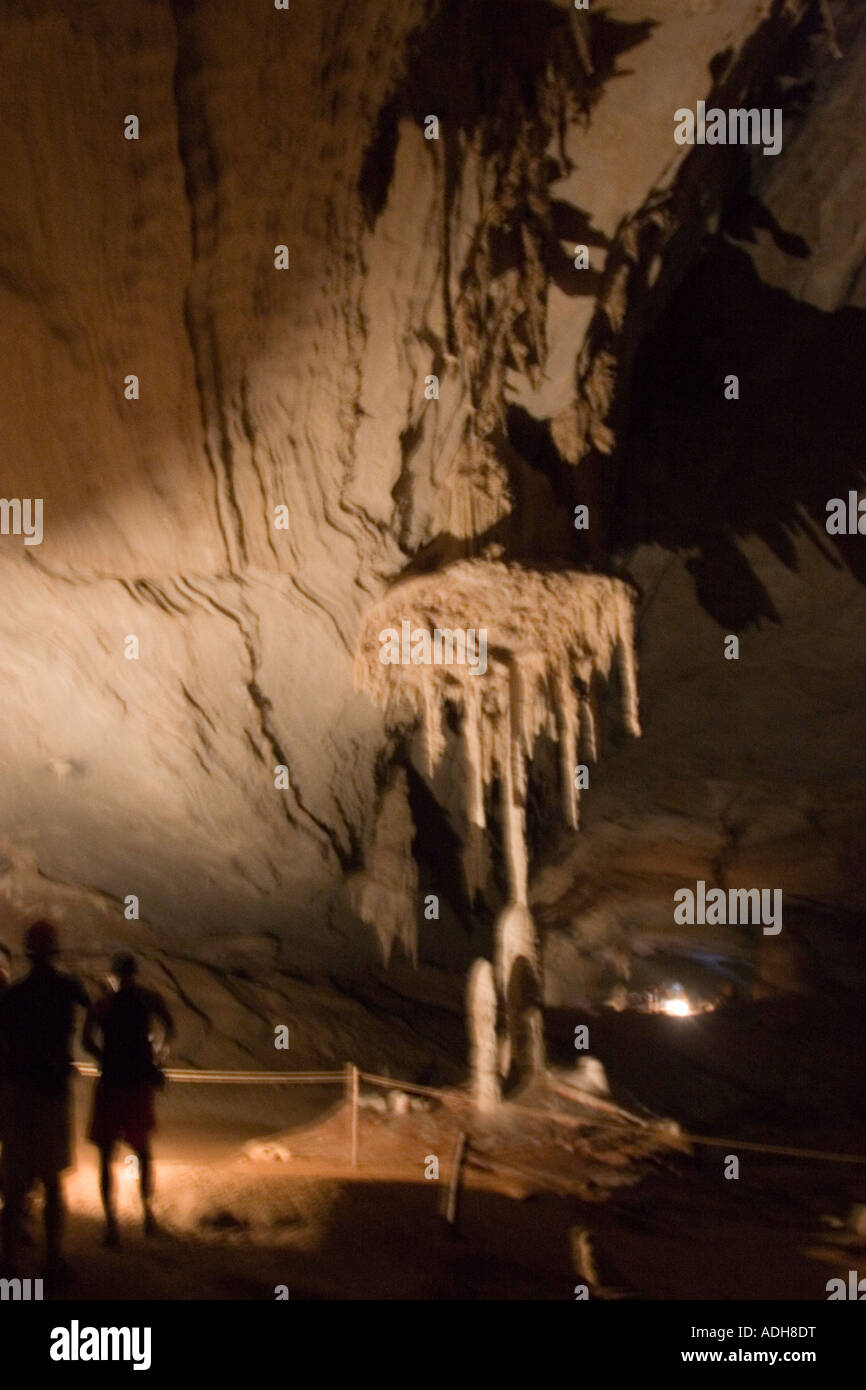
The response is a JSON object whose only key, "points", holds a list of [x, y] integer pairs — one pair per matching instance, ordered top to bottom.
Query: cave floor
{"points": [[658, 1221]]}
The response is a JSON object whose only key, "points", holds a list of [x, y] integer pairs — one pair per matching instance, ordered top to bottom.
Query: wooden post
{"points": [[347, 1095], [352, 1097], [454, 1185]]}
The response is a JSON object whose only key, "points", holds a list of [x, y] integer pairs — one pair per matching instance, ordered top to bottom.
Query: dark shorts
{"points": [[122, 1110], [37, 1141]]}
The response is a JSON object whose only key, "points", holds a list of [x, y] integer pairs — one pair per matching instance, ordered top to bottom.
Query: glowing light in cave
{"points": [[677, 1008]]}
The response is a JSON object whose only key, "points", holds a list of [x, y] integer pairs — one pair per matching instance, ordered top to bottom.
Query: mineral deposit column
{"points": [[514, 814], [516, 937]]}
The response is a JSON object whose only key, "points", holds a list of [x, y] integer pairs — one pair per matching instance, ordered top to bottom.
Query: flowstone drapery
{"points": [[517, 653]]}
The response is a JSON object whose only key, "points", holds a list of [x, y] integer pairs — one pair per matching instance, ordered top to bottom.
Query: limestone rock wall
{"points": [[301, 388]]}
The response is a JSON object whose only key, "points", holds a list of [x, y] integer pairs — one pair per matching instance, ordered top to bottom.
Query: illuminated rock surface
{"points": [[305, 388]]}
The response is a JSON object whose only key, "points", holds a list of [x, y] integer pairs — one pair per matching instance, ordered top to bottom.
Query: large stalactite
{"points": [[516, 653]]}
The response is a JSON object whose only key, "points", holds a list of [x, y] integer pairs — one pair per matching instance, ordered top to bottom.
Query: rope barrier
{"points": [[238, 1078], [324, 1078], [386, 1081], [781, 1149]]}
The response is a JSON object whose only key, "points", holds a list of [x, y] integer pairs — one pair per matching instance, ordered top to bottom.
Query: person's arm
{"points": [[161, 1010], [92, 1025]]}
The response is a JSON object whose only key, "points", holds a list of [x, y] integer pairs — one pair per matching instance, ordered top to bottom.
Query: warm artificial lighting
{"points": [[676, 1008]]}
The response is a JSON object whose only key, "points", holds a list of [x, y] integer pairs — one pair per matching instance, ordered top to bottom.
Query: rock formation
{"points": [[514, 653], [384, 893], [481, 1014]]}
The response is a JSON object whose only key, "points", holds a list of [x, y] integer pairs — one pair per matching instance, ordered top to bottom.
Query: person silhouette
{"points": [[4, 982], [37, 1020], [123, 1107]]}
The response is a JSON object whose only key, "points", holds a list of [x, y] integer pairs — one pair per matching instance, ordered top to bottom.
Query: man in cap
{"points": [[37, 1020], [123, 1100]]}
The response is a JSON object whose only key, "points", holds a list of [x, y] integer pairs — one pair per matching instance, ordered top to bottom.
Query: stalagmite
{"points": [[516, 653], [518, 976], [481, 1010]]}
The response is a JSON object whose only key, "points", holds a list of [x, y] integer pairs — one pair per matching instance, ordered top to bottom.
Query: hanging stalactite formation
{"points": [[542, 638], [516, 653]]}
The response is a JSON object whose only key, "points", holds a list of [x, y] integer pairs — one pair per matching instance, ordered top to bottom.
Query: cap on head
{"points": [[41, 941], [124, 965]]}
